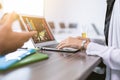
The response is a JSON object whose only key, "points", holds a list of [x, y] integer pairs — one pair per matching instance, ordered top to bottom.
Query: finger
{"points": [[10, 18], [3, 19], [24, 36], [60, 44], [64, 45]]}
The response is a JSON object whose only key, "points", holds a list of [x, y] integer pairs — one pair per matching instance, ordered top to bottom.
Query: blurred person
{"points": [[10, 40], [110, 53]]}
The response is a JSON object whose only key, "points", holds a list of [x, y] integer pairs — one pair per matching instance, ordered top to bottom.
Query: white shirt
{"points": [[111, 53], [111, 57]]}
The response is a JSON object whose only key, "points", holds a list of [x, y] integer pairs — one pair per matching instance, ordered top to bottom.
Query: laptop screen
{"points": [[40, 25]]}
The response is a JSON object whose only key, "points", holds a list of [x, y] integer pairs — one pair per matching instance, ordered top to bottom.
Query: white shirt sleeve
{"points": [[110, 55]]}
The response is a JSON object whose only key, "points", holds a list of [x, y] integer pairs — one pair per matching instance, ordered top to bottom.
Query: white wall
{"points": [[31, 7], [84, 12]]}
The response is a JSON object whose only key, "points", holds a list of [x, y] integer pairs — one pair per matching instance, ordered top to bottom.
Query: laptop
{"points": [[44, 39]]}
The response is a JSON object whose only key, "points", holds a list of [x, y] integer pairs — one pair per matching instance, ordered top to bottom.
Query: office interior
{"points": [[84, 15], [65, 17]]}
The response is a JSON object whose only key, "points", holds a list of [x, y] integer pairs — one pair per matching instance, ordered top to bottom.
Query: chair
{"points": [[52, 26], [62, 27], [72, 27], [96, 29]]}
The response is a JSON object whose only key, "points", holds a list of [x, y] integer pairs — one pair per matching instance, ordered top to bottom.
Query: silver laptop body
{"points": [[44, 38]]}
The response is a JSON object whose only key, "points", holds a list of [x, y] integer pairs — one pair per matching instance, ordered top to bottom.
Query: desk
{"points": [[59, 66]]}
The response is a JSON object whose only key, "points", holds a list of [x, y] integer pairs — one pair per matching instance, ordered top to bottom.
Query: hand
{"points": [[81, 38], [9, 40], [87, 41], [70, 42], [73, 42]]}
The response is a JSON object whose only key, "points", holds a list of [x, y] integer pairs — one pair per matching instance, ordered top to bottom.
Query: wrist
{"points": [[83, 44], [86, 44]]}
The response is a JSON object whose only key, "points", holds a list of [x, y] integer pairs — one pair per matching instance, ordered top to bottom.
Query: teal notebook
{"points": [[30, 59], [8, 60]]}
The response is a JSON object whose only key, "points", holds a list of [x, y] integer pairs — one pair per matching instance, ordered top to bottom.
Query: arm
{"points": [[10, 40], [74, 42], [110, 55]]}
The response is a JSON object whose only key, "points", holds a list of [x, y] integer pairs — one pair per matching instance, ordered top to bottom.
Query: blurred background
{"points": [[65, 17]]}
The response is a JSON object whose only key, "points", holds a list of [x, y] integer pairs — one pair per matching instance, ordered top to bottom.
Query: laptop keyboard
{"points": [[52, 46]]}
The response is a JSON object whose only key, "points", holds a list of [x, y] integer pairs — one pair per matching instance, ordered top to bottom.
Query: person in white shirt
{"points": [[111, 53]]}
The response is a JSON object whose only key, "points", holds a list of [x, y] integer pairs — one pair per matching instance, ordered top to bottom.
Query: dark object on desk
{"points": [[30, 59]]}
